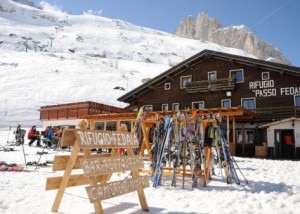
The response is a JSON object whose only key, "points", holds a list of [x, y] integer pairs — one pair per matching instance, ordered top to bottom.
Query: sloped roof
{"points": [[198, 58], [280, 121]]}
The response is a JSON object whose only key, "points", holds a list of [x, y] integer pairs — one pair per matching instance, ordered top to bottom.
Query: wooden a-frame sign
{"points": [[98, 168]]}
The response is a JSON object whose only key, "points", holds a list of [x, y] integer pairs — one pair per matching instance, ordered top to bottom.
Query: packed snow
{"points": [[273, 187]]}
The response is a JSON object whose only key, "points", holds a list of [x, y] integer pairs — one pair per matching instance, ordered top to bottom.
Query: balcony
{"points": [[224, 84], [276, 113]]}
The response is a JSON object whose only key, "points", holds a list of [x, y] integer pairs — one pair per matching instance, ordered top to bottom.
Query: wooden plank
{"points": [[68, 138], [92, 139], [60, 161], [107, 165], [178, 174], [53, 183], [112, 189]]}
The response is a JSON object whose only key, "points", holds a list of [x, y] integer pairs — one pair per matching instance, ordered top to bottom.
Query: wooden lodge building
{"points": [[213, 79], [68, 115]]}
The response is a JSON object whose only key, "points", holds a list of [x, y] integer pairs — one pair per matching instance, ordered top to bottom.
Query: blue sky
{"points": [[275, 21]]}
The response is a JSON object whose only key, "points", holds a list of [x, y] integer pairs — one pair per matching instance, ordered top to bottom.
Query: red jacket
{"points": [[31, 133], [288, 139]]}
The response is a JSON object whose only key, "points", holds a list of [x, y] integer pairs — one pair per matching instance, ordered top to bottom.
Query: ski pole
{"points": [[8, 135], [24, 155], [40, 158], [240, 170]]}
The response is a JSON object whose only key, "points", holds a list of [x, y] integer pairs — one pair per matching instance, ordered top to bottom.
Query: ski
{"points": [[160, 156], [232, 174]]}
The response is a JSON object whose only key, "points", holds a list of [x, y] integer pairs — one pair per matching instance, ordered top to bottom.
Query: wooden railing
{"points": [[224, 84], [76, 110], [276, 113]]}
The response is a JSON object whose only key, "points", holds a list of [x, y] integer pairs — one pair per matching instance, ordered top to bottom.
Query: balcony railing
{"points": [[224, 84], [276, 113]]}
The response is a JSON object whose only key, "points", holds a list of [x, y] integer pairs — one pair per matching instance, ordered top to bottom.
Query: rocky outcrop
{"points": [[206, 28]]}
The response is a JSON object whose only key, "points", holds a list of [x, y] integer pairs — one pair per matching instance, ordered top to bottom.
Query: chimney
{"points": [[144, 80]]}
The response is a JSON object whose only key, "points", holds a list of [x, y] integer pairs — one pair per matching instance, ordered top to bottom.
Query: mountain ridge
{"points": [[206, 28]]}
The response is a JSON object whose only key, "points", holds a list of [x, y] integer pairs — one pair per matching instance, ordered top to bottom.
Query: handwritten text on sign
{"points": [[106, 139], [106, 165], [113, 189]]}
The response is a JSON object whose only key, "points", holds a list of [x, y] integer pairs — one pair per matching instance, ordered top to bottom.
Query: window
{"points": [[212, 75], [238, 75], [265, 75], [184, 80], [167, 86], [297, 100], [226, 103], [248, 103], [198, 105], [175, 106], [148, 107], [165, 107], [99, 125], [111, 126], [249, 136]]}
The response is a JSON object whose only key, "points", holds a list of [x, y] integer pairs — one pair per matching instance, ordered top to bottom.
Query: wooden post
{"points": [[227, 128], [234, 131], [243, 139], [145, 143], [207, 176], [66, 177], [141, 194]]}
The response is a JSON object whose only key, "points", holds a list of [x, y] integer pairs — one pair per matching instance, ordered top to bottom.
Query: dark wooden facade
{"points": [[271, 90], [76, 110]]}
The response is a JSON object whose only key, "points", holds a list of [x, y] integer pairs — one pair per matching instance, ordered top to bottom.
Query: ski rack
{"points": [[151, 118], [98, 179]]}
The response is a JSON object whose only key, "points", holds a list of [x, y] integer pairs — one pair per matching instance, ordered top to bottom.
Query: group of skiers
{"points": [[48, 137]]}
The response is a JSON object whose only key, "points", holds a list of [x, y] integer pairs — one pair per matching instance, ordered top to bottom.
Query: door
{"points": [[288, 143], [282, 150]]}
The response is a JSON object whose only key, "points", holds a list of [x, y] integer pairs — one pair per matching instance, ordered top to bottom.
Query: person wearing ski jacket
{"points": [[19, 135], [51, 135], [33, 136], [48, 136]]}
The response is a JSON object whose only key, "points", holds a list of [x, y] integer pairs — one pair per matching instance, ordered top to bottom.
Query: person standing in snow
{"points": [[19, 135], [33, 136], [51, 136]]}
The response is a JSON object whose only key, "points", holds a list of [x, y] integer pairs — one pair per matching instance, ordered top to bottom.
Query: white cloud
{"points": [[51, 8], [93, 12]]}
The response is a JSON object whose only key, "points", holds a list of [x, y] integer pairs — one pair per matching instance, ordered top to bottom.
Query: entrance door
{"points": [[282, 150]]}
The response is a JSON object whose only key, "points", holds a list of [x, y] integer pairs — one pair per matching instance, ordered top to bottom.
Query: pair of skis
{"points": [[168, 126], [230, 172]]}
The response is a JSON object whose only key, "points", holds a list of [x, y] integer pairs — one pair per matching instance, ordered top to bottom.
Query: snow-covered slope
{"points": [[51, 57]]}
